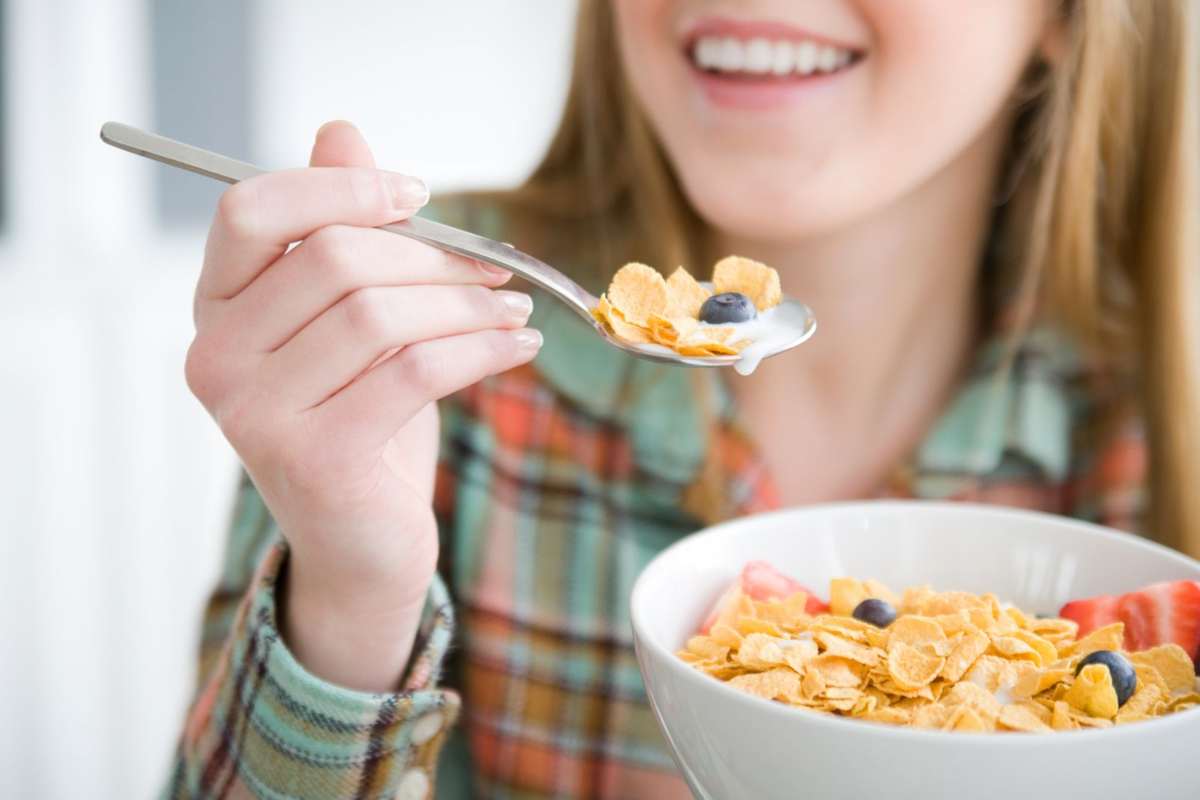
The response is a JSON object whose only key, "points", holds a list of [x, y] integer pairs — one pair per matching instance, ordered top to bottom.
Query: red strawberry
{"points": [[761, 581], [1092, 613], [1156, 614]]}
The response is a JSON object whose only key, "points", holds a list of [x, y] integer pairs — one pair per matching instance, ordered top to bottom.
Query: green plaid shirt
{"points": [[558, 482]]}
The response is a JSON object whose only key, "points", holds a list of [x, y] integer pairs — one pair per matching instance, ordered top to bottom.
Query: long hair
{"points": [[1099, 229]]}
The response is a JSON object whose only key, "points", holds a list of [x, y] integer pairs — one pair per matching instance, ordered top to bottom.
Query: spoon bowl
{"points": [[792, 322]]}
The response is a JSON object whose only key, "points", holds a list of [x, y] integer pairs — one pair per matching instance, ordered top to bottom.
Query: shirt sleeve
{"points": [[261, 725]]}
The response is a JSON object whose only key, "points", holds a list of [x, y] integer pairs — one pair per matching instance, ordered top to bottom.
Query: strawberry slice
{"points": [[762, 582], [1095, 612], [1156, 614]]}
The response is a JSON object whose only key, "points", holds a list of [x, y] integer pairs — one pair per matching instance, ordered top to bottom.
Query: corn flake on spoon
{"points": [[791, 322]]}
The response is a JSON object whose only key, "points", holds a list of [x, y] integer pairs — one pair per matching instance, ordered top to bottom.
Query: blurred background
{"points": [[114, 484]]}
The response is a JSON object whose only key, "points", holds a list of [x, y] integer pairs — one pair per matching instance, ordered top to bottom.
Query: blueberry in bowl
{"points": [[874, 611], [1124, 679]]}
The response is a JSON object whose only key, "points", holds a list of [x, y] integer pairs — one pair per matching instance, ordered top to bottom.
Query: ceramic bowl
{"points": [[731, 745]]}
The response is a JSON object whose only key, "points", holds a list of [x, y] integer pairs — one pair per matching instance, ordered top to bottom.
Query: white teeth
{"points": [[706, 53], [732, 56], [761, 56], [758, 57], [783, 58], [806, 58], [827, 59]]}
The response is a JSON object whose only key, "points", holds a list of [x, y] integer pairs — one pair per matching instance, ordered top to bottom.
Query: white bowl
{"points": [[731, 745]]}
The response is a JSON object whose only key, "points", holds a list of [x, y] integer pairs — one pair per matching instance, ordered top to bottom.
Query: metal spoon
{"points": [[793, 320]]}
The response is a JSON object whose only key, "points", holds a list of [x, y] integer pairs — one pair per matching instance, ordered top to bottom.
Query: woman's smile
{"points": [[763, 65]]}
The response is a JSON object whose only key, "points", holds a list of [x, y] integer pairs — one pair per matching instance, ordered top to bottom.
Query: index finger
{"points": [[259, 217]]}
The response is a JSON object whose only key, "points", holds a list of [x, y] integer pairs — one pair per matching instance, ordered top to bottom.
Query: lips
{"points": [[758, 65]]}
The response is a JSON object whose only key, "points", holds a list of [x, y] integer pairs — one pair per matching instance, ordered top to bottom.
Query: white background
{"points": [[114, 484]]}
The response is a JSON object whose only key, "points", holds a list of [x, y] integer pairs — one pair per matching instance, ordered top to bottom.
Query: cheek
{"points": [[643, 29], [945, 71], [942, 78]]}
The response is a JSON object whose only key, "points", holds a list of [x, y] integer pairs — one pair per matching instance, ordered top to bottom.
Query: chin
{"points": [[781, 215]]}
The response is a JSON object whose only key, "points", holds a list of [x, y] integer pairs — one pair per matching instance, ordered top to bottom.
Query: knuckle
{"points": [[238, 210], [331, 247], [366, 314], [201, 370], [422, 372]]}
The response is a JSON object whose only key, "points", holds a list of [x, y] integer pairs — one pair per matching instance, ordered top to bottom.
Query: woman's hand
{"points": [[322, 365]]}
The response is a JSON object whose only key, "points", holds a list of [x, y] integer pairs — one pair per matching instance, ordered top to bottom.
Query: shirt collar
{"points": [[1018, 405]]}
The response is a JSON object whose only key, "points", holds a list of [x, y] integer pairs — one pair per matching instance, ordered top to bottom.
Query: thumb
{"points": [[340, 144]]}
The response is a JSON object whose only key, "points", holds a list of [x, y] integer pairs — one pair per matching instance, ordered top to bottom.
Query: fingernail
{"points": [[408, 192], [492, 269], [518, 305], [529, 340]]}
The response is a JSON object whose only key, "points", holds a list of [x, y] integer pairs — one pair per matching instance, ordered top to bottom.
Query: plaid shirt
{"points": [[558, 482]]}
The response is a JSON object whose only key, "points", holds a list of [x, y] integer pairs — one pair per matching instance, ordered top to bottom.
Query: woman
{"points": [[991, 206]]}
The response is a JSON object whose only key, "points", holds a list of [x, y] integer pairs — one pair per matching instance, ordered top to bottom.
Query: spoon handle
{"points": [[222, 168], [465, 243]]}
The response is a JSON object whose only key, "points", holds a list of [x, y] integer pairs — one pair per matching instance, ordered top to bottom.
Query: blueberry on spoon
{"points": [[727, 307]]}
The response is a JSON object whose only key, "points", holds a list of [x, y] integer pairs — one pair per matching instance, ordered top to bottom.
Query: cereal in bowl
{"points": [[952, 661]]}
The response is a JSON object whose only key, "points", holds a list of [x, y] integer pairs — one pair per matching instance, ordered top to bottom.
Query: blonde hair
{"points": [[1100, 227]]}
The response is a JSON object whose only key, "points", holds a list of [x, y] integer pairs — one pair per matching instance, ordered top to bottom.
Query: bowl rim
{"points": [[878, 730]]}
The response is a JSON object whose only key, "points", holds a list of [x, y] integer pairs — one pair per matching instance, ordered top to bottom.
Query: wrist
{"points": [[364, 565], [363, 583], [351, 629]]}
